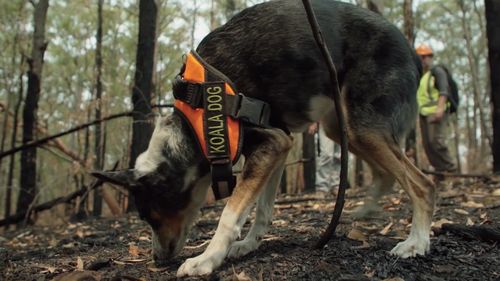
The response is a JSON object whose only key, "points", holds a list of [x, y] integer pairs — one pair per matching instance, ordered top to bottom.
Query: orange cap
{"points": [[424, 50]]}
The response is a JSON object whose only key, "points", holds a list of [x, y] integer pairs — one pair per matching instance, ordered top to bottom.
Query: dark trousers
{"points": [[434, 140]]}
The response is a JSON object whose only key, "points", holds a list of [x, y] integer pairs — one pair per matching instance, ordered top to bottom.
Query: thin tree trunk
{"points": [[492, 8], [212, 15], [408, 21], [193, 23], [408, 27], [474, 72], [143, 81], [471, 136], [98, 141], [457, 142], [28, 156], [309, 156], [12, 160], [358, 172]]}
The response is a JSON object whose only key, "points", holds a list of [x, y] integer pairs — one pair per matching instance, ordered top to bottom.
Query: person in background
{"points": [[433, 102], [327, 162]]}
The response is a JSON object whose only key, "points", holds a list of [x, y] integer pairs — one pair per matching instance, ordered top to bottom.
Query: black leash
{"points": [[339, 205]]}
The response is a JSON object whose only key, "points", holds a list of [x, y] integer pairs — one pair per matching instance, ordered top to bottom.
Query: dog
{"points": [[268, 51]]}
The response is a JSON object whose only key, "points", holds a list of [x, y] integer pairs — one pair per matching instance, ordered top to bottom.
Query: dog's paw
{"points": [[412, 247], [241, 248], [197, 266]]}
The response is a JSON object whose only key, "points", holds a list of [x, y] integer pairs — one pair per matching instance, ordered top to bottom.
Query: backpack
{"points": [[453, 98]]}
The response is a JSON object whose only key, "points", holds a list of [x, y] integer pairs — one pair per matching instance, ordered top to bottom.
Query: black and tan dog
{"points": [[269, 52]]}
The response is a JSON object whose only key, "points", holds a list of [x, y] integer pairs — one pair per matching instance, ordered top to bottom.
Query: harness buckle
{"points": [[187, 92], [253, 111], [223, 180]]}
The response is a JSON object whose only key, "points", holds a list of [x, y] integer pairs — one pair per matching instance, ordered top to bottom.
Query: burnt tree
{"points": [[492, 8], [143, 80], [99, 140], [28, 156]]}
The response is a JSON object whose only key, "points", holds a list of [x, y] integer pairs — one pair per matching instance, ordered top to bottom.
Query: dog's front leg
{"points": [[264, 152], [263, 217]]}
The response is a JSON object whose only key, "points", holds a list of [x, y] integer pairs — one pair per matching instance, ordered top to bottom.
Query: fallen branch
{"points": [[72, 130], [457, 175], [48, 205], [490, 233]]}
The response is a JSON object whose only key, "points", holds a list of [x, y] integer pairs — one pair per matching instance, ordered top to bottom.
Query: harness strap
{"points": [[238, 106], [216, 138]]}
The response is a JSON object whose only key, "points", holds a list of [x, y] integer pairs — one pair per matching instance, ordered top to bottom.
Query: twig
{"points": [[318, 36], [72, 130], [457, 175], [47, 205]]}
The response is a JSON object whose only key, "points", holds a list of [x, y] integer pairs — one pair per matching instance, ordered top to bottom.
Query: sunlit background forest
{"points": [[89, 73]]}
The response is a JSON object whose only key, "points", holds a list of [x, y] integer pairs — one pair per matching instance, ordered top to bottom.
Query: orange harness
{"points": [[209, 102]]}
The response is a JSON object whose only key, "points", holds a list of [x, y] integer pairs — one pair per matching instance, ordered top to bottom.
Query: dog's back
{"points": [[270, 53]]}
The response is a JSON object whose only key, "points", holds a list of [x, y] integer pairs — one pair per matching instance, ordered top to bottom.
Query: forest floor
{"points": [[119, 248]]}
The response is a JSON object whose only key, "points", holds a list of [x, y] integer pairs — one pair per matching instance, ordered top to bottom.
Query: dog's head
{"points": [[169, 185]]}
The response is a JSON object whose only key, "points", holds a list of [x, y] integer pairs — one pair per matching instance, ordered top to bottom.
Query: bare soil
{"points": [[119, 248]]}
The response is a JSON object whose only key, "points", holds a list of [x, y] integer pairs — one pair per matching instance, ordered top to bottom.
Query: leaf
{"points": [[496, 192], [472, 204], [461, 212], [469, 222], [440, 223], [386, 229], [357, 235], [365, 245], [133, 250], [129, 261], [79, 264], [47, 268], [240, 276]]}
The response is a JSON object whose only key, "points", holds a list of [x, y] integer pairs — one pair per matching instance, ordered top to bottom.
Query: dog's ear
{"points": [[124, 178]]}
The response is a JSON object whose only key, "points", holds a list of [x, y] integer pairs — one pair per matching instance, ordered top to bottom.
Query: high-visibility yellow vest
{"points": [[427, 95]]}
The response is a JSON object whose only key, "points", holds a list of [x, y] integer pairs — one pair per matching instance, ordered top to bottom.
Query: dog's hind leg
{"points": [[265, 151], [381, 151], [386, 153], [382, 180], [382, 184], [263, 217]]}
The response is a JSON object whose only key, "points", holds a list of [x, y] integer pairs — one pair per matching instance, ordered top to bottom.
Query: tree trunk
{"points": [[492, 8], [193, 23], [408, 24], [408, 27], [474, 72], [143, 81], [141, 94], [456, 136], [98, 144], [308, 154], [28, 156], [12, 159], [359, 178]]}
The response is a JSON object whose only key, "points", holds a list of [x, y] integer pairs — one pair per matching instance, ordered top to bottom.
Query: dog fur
{"points": [[269, 52]]}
